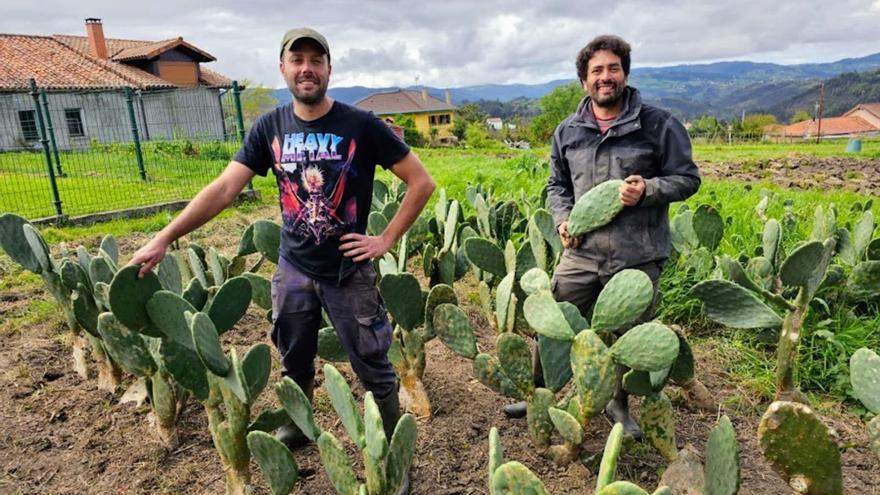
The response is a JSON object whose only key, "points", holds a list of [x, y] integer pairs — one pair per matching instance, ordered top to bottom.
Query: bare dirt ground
{"points": [[804, 172], [60, 435]]}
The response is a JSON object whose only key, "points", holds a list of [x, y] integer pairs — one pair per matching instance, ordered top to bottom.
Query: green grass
{"points": [[772, 150]]}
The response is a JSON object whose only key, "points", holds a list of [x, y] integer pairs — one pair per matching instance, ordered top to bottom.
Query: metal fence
{"points": [[65, 154]]}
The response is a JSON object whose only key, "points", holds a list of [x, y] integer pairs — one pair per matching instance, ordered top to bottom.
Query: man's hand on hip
{"points": [[631, 190], [568, 241], [363, 247], [149, 256]]}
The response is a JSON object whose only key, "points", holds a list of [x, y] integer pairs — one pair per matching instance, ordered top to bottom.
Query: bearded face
{"points": [[605, 81]]}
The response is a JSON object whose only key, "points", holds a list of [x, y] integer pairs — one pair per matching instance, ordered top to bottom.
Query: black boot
{"points": [[618, 408], [389, 409], [518, 409], [289, 434]]}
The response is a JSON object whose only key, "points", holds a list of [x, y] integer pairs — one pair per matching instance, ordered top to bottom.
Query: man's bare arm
{"points": [[419, 187], [210, 201]]}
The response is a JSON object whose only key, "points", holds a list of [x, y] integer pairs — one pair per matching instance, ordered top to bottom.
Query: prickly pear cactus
{"points": [[596, 208], [864, 368], [658, 424], [801, 449], [722, 460], [513, 478]]}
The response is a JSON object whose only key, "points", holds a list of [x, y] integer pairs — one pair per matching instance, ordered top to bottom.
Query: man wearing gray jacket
{"points": [[613, 135]]}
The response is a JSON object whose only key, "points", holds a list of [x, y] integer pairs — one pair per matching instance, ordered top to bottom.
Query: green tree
{"points": [[256, 100], [555, 106], [468, 113], [800, 116], [754, 125], [707, 126], [411, 134], [476, 136]]}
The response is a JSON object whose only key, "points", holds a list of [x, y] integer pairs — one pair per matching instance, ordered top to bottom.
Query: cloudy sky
{"points": [[454, 43]]}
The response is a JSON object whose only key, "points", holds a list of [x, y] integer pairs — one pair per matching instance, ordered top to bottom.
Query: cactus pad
{"points": [[596, 208], [709, 226], [267, 239], [16, 245], [485, 255], [798, 268], [535, 280], [864, 281], [439, 294], [129, 295], [403, 297], [623, 300], [504, 301], [731, 305], [167, 312], [544, 315], [454, 329], [207, 345], [647, 347], [127, 348], [330, 348], [515, 359], [256, 366], [864, 366], [488, 371], [594, 372], [343, 403], [297, 407], [538, 416], [658, 424], [567, 426], [401, 449], [801, 449], [275, 460], [722, 460], [337, 465], [608, 466], [513, 478]]}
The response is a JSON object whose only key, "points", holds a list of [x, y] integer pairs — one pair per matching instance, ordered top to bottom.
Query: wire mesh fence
{"points": [[76, 153]]}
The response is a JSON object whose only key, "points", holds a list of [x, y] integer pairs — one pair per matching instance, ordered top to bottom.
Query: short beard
{"points": [[312, 99], [610, 101]]}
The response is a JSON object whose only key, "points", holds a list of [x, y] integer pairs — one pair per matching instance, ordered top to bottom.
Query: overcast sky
{"points": [[454, 43]]}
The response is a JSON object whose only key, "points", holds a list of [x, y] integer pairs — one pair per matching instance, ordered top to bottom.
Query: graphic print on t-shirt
{"points": [[311, 200]]}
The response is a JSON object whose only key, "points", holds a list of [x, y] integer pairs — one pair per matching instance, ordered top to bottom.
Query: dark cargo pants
{"points": [[356, 311]]}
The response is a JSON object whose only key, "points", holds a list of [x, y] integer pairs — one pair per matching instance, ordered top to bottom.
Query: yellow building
{"points": [[426, 111]]}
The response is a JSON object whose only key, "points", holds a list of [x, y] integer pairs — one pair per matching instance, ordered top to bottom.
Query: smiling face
{"points": [[306, 71], [605, 80]]}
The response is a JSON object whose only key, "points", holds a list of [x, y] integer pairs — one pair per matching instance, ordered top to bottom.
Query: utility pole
{"points": [[819, 112]]}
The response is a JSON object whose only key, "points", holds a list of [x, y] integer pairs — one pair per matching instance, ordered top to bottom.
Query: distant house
{"points": [[175, 95], [427, 111], [863, 119], [494, 123]]}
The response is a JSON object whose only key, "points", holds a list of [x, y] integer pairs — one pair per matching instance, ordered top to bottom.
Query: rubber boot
{"points": [[618, 408], [389, 409], [518, 409], [289, 434]]}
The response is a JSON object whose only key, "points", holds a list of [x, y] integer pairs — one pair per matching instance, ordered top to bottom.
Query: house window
{"points": [[73, 116], [433, 119], [445, 119], [28, 121]]}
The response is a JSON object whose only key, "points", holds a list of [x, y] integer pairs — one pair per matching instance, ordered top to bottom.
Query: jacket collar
{"points": [[628, 120]]}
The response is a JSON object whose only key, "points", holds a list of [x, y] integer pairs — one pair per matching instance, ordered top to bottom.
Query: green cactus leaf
{"points": [[380, 190], [596, 208], [544, 221], [376, 223], [709, 226], [449, 229], [684, 238], [267, 239], [772, 241], [15, 244], [246, 244], [537, 244], [38, 246], [111, 248], [873, 252], [82, 254], [485, 255], [510, 257], [525, 260], [216, 265], [197, 266], [798, 268], [101, 270], [761, 271], [169, 274], [736, 274], [73, 275], [864, 280], [534, 281], [261, 290], [196, 294], [439, 294], [102, 295], [129, 295], [403, 297], [503, 299], [623, 300], [230, 303], [734, 306], [84, 309], [167, 313], [544, 316], [573, 316], [454, 329], [207, 345], [647, 347], [127, 348], [330, 348], [515, 359], [555, 362], [256, 366], [186, 367], [682, 370], [488, 371], [594, 372], [864, 373], [235, 380], [637, 382], [343, 403], [298, 408], [538, 418], [269, 420], [658, 424], [567, 426], [374, 432], [874, 435], [801, 449], [400, 451], [496, 453], [275, 460], [722, 460], [337, 465], [608, 466], [513, 478], [622, 488]]}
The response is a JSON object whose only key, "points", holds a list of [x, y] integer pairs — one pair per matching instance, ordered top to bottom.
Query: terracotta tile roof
{"points": [[62, 62], [402, 101], [873, 108], [831, 126]]}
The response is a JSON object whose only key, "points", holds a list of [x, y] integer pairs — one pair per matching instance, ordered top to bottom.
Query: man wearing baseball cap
{"points": [[323, 154]]}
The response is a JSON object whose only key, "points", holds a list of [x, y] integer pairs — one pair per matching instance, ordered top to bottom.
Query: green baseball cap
{"points": [[296, 34]]}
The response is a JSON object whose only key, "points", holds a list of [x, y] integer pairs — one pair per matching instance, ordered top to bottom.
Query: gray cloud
{"points": [[457, 42]]}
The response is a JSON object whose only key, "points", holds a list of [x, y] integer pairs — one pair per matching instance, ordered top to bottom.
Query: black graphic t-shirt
{"points": [[324, 169]]}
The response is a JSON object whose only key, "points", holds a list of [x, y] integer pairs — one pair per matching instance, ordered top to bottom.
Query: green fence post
{"points": [[239, 116], [51, 132], [134, 134], [56, 200]]}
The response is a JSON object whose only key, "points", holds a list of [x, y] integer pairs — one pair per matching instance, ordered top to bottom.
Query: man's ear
{"points": [[584, 85]]}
